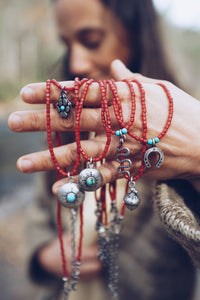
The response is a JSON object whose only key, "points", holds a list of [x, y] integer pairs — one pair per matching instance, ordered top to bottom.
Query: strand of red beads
{"points": [[117, 104], [77, 123], [60, 174]]}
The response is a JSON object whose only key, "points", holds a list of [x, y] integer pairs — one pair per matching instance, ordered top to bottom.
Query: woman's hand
{"points": [[180, 145], [49, 258]]}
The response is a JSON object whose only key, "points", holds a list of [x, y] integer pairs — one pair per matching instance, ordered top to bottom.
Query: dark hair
{"points": [[141, 21]]}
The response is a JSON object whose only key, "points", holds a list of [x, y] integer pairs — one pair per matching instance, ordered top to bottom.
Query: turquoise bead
{"points": [[62, 108], [124, 130], [118, 133], [154, 140], [150, 142], [71, 197]]}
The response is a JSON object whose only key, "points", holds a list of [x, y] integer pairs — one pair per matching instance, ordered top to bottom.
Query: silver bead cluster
{"points": [[109, 243], [70, 285]]}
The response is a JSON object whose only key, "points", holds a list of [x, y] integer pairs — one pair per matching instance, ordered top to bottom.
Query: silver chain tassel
{"points": [[109, 241], [70, 285]]}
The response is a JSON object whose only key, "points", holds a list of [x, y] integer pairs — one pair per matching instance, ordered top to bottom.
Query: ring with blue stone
{"points": [[64, 106]]}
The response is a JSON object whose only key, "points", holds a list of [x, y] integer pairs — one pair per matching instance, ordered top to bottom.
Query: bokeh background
{"points": [[30, 51]]}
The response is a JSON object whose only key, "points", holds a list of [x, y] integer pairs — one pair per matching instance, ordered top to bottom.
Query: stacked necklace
{"points": [[71, 194]]}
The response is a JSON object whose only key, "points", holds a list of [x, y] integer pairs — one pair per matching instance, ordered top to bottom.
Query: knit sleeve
{"points": [[178, 211]]}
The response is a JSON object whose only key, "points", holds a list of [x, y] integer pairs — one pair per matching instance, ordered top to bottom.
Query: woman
{"points": [[152, 265]]}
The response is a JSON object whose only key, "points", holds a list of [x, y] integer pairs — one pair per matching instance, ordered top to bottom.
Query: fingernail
{"points": [[118, 62], [26, 92], [14, 122], [25, 165], [56, 189]]}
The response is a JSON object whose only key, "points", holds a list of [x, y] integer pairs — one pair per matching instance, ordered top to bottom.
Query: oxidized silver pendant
{"points": [[64, 105], [153, 150], [123, 152], [90, 179], [70, 195], [131, 199]]}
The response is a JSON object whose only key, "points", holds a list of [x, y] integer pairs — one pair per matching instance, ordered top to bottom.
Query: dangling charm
{"points": [[64, 105], [155, 150], [123, 152], [90, 179], [70, 195], [131, 199], [109, 243], [70, 285]]}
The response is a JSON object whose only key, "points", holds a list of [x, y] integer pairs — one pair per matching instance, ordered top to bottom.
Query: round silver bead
{"points": [[90, 179], [70, 195], [131, 200]]}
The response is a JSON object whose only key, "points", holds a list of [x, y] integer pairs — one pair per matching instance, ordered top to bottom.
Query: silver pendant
{"points": [[64, 105], [153, 150], [123, 152], [90, 179], [70, 195], [131, 199], [109, 244], [70, 285]]}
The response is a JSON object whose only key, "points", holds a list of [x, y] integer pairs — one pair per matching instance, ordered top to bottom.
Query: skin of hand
{"points": [[180, 145], [50, 260]]}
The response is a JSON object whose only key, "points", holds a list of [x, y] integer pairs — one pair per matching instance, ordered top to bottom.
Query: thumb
{"points": [[119, 72]]}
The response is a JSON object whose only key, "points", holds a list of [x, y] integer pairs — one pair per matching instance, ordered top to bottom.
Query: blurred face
{"points": [[93, 36]]}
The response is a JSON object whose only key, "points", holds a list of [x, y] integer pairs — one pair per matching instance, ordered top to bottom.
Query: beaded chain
{"points": [[90, 179]]}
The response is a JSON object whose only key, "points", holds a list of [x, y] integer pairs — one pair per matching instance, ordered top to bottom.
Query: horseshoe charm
{"points": [[148, 152]]}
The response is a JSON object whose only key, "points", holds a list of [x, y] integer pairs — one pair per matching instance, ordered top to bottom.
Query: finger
{"points": [[119, 72], [35, 93], [21, 121], [65, 155], [41, 161]]}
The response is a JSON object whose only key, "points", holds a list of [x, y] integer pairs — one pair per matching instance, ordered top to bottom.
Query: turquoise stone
{"points": [[62, 107], [124, 130], [118, 133], [154, 140], [149, 141], [90, 181], [71, 197]]}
